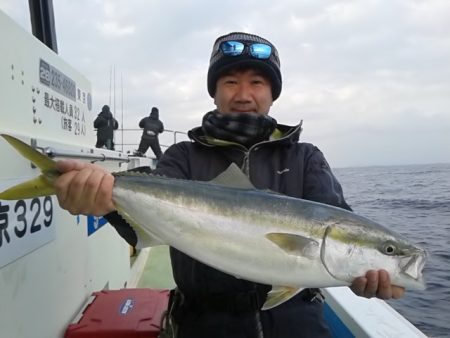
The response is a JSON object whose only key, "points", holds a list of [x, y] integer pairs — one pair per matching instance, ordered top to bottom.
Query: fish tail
{"points": [[39, 186]]}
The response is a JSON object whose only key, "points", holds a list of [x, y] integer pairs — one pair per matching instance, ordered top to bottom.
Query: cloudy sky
{"points": [[369, 78]]}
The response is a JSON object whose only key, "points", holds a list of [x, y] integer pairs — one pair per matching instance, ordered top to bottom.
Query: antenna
{"points": [[110, 82], [121, 84], [114, 96]]}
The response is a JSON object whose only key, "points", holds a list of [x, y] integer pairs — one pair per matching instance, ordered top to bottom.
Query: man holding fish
{"points": [[244, 79]]}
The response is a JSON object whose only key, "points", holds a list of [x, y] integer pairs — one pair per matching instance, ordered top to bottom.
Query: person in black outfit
{"points": [[244, 78], [105, 124], [152, 128]]}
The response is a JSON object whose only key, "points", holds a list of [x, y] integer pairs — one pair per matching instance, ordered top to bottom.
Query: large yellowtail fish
{"points": [[260, 236]]}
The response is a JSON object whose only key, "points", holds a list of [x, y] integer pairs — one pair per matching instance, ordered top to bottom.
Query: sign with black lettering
{"points": [[57, 80], [72, 117], [25, 225]]}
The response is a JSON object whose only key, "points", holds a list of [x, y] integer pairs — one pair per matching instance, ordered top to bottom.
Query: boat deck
{"points": [[151, 269]]}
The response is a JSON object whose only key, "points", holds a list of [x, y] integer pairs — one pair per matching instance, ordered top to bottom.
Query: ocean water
{"points": [[414, 201]]}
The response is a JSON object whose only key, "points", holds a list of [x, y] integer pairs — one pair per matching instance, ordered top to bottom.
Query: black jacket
{"points": [[105, 124], [152, 125], [283, 165]]}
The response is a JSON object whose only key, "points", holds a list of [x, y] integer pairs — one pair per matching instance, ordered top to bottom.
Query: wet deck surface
{"points": [[157, 272]]}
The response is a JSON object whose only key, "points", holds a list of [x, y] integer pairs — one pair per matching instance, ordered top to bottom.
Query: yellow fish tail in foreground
{"points": [[39, 186]]}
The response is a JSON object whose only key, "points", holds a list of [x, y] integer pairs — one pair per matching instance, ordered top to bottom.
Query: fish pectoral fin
{"points": [[233, 177], [35, 187], [295, 244], [279, 295]]}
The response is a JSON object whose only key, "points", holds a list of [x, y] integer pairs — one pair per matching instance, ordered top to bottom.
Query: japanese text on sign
{"points": [[72, 118]]}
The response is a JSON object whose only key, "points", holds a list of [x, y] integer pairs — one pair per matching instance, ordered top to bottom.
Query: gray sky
{"points": [[370, 78]]}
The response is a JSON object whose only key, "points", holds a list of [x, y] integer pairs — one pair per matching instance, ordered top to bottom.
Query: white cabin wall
{"points": [[46, 276]]}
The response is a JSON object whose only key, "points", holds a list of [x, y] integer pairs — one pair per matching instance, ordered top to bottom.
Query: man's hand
{"points": [[84, 188], [376, 284]]}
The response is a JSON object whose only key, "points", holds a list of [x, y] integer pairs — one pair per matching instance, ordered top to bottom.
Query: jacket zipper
{"points": [[246, 163]]}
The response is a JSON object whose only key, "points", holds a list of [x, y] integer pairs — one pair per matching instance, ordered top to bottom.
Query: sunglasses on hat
{"points": [[256, 50]]}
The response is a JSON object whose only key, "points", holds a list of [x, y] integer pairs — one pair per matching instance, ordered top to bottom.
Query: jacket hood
{"points": [[106, 113], [154, 114]]}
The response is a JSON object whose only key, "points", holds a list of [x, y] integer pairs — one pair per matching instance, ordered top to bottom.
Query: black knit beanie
{"points": [[220, 63]]}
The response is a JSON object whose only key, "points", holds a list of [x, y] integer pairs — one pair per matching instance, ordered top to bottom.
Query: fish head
{"points": [[350, 249]]}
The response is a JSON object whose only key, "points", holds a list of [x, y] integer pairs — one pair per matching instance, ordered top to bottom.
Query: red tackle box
{"points": [[125, 313]]}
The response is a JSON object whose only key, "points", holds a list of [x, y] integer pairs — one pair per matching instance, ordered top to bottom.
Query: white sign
{"points": [[25, 225]]}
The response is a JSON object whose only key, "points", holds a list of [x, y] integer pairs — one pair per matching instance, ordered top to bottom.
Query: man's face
{"points": [[243, 91]]}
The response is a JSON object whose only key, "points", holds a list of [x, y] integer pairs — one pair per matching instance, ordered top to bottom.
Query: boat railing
{"points": [[127, 140], [122, 149], [53, 152]]}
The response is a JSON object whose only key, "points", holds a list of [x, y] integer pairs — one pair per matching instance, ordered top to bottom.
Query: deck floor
{"points": [[157, 272]]}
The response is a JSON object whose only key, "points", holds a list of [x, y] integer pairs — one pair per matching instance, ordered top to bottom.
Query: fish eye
{"points": [[389, 249]]}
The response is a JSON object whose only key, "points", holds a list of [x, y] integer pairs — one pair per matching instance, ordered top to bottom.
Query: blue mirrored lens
{"points": [[232, 48], [256, 50], [260, 50]]}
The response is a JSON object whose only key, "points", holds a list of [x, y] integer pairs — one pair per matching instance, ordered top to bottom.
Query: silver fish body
{"points": [[265, 237]]}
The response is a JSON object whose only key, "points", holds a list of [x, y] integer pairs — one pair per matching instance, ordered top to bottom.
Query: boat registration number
{"points": [[25, 225]]}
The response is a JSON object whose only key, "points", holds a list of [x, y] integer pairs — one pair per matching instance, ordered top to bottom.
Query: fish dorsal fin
{"points": [[233, 177], [295, 244], [279, 295]]}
